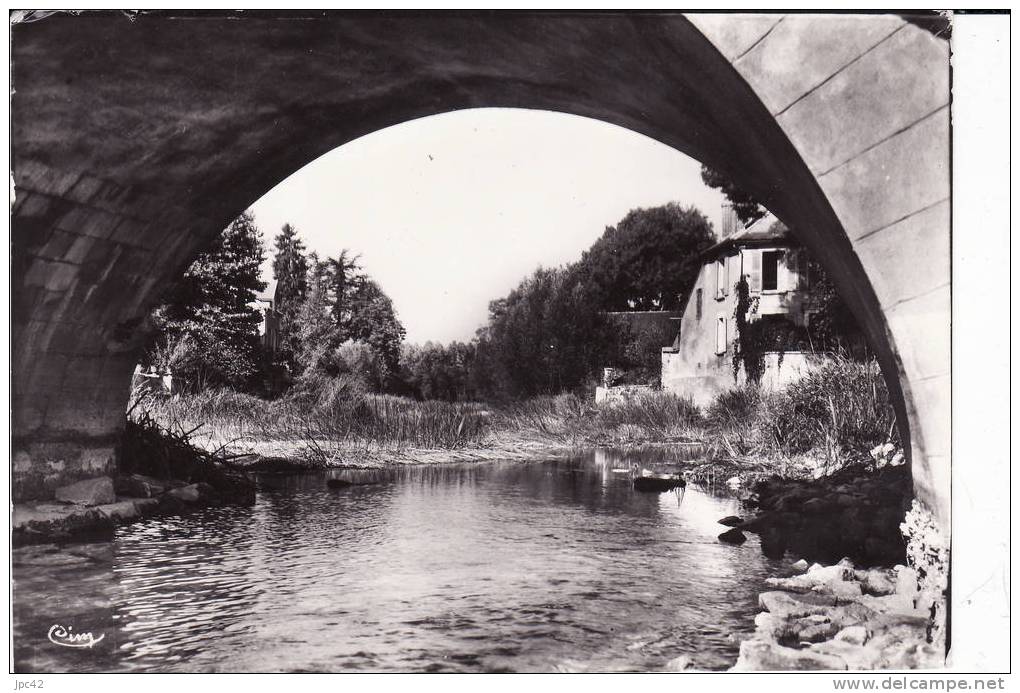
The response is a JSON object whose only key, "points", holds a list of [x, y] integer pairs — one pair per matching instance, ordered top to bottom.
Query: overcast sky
{"points": [[452, 211]]}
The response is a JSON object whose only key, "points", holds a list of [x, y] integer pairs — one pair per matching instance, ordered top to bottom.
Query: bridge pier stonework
{"points": [[136, 139]]}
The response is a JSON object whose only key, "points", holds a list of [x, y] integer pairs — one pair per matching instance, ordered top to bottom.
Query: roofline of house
{"points": [[737, 244]]}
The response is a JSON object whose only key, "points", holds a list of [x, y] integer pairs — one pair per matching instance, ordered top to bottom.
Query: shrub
{"points": [[841, 406], [734, 407], [660, 412]]}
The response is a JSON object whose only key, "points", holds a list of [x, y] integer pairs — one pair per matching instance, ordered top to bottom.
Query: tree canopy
{"points": [[747, 208], [647, 260], [290, 270], [207, 326]]}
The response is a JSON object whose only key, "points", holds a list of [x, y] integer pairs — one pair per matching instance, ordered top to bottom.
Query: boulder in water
{"points": [[97, 491], [731, 521], [732, 536]]}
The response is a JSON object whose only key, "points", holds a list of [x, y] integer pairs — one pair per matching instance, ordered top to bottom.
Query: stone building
{"points": [[699, 363]]}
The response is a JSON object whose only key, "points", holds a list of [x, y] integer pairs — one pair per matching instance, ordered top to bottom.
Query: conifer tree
{"points": [[290, 270], [207, 327]]}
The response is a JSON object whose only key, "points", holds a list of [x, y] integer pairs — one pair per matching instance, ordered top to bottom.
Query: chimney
{"points": [[729, 222]]}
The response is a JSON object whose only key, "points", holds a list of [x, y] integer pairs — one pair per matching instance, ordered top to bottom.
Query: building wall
{"points": [[696, 366], [692, 367]]}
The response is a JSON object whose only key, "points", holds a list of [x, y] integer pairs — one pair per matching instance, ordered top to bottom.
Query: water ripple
{"points": [[496, 567]]}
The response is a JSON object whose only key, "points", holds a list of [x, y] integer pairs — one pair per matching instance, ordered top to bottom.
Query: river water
{"points": [[546, 566]]}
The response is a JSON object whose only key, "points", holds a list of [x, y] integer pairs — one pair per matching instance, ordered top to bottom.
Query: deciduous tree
{"points": [[647, 260]]}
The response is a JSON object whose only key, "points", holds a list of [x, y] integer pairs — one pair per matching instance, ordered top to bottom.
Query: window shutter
{"points": [[802, 270], [784, 280], [755, 283], [720, 335]]}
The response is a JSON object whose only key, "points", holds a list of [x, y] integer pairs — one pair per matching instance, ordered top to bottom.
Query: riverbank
{"points": [[829, 419], [839, 618]]}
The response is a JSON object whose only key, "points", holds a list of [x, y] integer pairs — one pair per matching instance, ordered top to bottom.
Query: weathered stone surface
{"points": [[735, 35], [834, 39], [824, 132], [917, 159], [924, 231], [140, 486], [98, 491], [188, 494], [121, 511], [50, 522], [831, 580], [876, 582], [786, 606], [818, 629], [817, 632], [855, 635], [760, 656], [681, 663]]}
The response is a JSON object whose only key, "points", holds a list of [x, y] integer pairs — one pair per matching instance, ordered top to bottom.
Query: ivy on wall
{"points": [[755, 338]]}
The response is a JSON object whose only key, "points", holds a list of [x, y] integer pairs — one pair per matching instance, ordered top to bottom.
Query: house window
{"points": [[801, 267], [770, 270], [720, 278], [697, 304], [720, 335]]}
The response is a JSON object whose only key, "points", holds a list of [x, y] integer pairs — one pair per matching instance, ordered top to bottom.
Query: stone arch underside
{"points": [[135, 140]]}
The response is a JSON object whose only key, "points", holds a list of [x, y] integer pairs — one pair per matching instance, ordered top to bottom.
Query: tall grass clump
{"points": [[733, 408], [841, 408], [328, 409], [662, 414], [552, 416], [430, 424]]}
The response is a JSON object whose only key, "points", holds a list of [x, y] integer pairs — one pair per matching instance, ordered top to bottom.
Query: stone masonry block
{"points": [[734, 34], [832, 41], [871, 99], [914, 163], [32, 174], [85, 189], [112, 197], [33, 205], [88, 221], [132, 231], [924, 238], [52, 246], [79, 250], [54, 276], [921, 332], [84, 372], [46, 375], [933, 399], [28, 413], [81, 413], [97, 459], [42, 466]]}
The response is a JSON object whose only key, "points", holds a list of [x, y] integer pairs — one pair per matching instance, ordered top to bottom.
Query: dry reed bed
{"points": [[835, 414]]}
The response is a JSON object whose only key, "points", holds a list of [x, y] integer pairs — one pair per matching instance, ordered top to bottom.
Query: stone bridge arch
{"points": [[136, 138]]}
